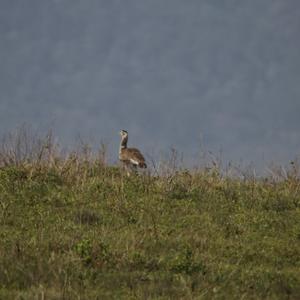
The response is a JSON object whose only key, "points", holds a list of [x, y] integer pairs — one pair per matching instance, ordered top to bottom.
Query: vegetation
{"points": [[74, 228]]}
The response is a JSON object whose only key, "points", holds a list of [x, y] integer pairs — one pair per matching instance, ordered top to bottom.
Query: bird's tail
{"points": [[142, 165]]}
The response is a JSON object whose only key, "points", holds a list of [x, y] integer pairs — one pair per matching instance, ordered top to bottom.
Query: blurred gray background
{"points": [[223, 76]]}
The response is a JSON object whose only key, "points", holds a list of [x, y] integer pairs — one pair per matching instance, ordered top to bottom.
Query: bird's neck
{"points": [[123, 144]]}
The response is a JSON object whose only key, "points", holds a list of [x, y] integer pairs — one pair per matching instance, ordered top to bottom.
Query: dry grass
{"points": [[74, 228]]}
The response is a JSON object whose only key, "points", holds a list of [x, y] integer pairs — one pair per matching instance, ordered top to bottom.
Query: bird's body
{"points": [[130, 156]]}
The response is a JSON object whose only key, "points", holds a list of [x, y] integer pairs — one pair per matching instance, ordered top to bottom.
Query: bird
{"points": [[130, 157]]}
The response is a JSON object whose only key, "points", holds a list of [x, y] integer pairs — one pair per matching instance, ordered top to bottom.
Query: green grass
{"points": [[81, 230]]}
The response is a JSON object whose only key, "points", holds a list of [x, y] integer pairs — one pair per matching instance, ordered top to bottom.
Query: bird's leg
{"points": [[127, 168], [134, 169]]}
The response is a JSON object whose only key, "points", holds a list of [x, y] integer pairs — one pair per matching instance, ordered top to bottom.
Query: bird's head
{"points": [[123, 133]]}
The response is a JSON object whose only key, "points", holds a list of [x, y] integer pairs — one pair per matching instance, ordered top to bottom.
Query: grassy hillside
{"points": [[77, 229]]}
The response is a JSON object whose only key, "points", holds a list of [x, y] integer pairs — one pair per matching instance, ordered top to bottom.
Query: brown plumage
{"points": [[130, 156]]}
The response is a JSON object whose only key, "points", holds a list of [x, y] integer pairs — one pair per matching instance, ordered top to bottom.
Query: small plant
{"points": [[84, 250], [184, 262]]}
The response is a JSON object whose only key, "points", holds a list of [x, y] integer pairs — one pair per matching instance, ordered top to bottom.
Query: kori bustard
{"points": [[130, 157]]}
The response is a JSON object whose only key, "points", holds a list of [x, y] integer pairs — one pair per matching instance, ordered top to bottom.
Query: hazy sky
{"points": [[224, 74]]}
